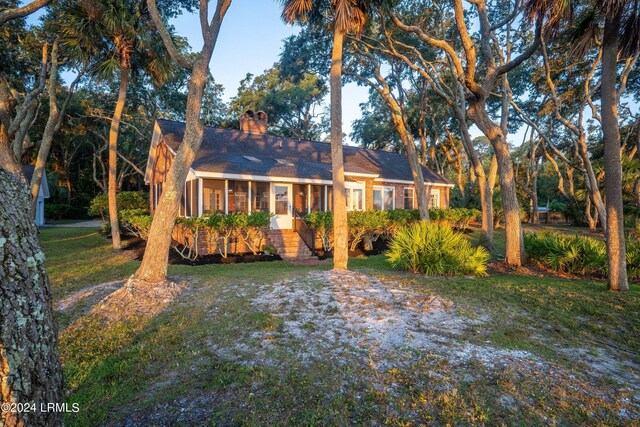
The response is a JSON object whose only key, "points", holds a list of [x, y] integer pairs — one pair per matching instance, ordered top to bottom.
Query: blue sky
{"points": [[250, 41]]}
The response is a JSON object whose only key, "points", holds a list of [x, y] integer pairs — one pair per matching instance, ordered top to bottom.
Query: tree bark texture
{"points": [[49, 130], [113, 159], [340, 227], [616, 251], [514, 252], [153, 269], [30, 369]]}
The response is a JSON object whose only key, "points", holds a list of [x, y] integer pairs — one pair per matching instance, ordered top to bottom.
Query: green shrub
{"points": [[126, 200], [557, 206], [400, 218], [459, 218], [136, 221], [323, 223], [366, 227], [222, 230], [436, 249], [576, 254], [633, 256]]}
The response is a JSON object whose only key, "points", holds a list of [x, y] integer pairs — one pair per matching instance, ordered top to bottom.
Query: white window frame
{"points": [[349, 187], [382, 189], [436, 193], [413, 198]]}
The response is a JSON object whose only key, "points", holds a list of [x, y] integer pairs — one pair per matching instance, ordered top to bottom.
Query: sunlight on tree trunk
{"points": [[113, 159], [612, 162], [340, 228], [514, 251], [153, 269]]}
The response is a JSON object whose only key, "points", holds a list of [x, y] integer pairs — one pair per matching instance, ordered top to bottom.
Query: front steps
{"points": [[289, 245]]}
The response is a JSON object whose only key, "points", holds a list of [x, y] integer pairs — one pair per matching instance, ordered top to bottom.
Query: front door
{"points": [[281, 196]]}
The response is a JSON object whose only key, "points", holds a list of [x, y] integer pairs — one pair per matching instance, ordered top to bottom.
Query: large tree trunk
{"points": [[113, 159], [612, 163], [592, 182], [485, 188], [340, 227], [514, 253], [153, 269], [30, 370]]}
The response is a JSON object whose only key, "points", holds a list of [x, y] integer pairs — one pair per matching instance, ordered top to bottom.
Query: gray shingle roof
{"points": [[222, 150]]}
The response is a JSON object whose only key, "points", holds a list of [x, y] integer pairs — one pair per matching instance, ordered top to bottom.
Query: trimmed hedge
{"points": [[126, 200], [368, 226], [220, 230], [436, 249]]}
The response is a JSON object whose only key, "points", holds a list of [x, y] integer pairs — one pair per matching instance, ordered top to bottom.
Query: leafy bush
{"points": [[126, 200], [557, 206], [400, 218], [459, 218], [136, 221], [323, 223], [366, 227], [222, 230], [187, 244], [436, 249], [577, 254], [633, 256]]}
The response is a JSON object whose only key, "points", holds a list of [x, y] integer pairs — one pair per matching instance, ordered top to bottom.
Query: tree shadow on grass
{"points": [[99, 352]]}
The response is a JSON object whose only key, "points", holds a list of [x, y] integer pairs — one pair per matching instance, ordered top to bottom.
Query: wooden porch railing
{"points": [[307, 233]]}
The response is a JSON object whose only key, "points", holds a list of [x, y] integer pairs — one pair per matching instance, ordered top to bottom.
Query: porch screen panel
{"points": [[260, 194], [212, 196], [239, 196], [317, 196], [300, 197], [329, 199], [192, 201], [185, 206]]}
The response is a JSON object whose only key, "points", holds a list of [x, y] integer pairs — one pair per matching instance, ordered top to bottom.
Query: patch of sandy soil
{"points": [[96, 291], [353, 314], [354, 319]]}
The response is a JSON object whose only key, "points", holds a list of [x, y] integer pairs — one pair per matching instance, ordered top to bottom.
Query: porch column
{"points": [[200, 196], [226, 196], [249, 196], [308, 198], [326, 202]]}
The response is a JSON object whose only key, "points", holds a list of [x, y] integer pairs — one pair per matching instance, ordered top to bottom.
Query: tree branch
{"points": [[20, 12]]}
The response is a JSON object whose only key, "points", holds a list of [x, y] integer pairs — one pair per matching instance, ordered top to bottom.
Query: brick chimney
{"points": [[253, 122]]}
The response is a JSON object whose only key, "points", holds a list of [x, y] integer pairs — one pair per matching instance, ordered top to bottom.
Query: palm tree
{"points": [[345, 16], [116, 37], [620, 38]]}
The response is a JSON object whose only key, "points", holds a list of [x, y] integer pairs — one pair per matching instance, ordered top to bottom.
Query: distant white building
{"points": [[43, 194]]}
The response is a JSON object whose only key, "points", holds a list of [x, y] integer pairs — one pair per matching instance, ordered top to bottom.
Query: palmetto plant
{"points": [[118, 39], [436, 250]]}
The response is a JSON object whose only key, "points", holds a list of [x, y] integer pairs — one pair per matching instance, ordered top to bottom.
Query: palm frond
{"points": [[296, 11], [630, 36]]}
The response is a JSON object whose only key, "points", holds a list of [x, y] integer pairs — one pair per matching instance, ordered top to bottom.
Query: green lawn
{"points": [[247, 344]]}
